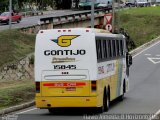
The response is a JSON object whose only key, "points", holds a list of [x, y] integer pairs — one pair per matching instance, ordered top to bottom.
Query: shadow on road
{"points": [[2, 24], [80, 111], [66, 113]]}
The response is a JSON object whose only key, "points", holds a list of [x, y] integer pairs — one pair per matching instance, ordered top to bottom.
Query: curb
{"points": [[140, 48], [32, 103], [16, 108]]}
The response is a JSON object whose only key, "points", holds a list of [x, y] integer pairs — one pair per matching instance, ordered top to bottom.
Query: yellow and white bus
{"points": [[80, 67]]}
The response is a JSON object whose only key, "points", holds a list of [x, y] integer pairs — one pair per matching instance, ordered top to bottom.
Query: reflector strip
{"points": [[65, 84]]}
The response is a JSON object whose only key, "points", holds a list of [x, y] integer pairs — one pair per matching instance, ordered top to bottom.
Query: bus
{"points": [[80, 67]]}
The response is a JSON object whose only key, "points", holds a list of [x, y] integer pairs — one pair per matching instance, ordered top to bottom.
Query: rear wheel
{"points": [[124, 90], [106, 103], [51, 110]]}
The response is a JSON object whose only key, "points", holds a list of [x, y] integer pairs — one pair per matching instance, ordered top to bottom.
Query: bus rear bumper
{"points": [[55, 102]]}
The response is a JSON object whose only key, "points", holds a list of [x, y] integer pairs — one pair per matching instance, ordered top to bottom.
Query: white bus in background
{"points": [[80, 67]]}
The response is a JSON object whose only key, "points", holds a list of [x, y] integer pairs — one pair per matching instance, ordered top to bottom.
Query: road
{"points": [[29, 21], [143, 97]]}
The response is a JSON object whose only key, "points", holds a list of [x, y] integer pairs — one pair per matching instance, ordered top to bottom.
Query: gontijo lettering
{"points": [[64, 40], [64, 52]]}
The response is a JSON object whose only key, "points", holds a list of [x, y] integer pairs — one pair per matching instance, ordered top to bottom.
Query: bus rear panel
{"points": [[65, 66]]}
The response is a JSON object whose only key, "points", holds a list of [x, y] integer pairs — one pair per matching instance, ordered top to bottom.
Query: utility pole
{"points": [[10, 14], [92, 14], [113, 15], [118, 16]]}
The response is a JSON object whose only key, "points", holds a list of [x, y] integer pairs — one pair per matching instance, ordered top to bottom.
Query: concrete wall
{"points": [[79, 23], [22, 69]]}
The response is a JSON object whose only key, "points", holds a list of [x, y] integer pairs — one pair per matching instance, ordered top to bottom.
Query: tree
{"points": [[63, 4], [4, 5]]}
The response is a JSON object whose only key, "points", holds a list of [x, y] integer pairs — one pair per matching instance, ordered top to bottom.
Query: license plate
{"points": [[71, 89]]}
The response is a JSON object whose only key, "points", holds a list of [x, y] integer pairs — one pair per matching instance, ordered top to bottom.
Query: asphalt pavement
{"points": [[33, 20], [141, 102]]}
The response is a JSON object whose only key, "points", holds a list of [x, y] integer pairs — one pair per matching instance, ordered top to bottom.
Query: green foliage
{"points": [[40, 4], [142, 24], [15, 45], [31, 60], [22, 91]]}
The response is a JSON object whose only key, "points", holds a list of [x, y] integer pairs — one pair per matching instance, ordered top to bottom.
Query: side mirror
{"points": [[130, 60]]}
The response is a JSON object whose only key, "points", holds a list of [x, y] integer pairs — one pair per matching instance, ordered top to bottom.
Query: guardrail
{"points": [[32, 13], [72, 17], [47, 22]]}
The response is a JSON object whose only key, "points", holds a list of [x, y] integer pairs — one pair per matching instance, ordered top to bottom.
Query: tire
{"points": [[18, 21], [7, 22], [121, 98], [106, 103], [106, 107], [51, 110]]}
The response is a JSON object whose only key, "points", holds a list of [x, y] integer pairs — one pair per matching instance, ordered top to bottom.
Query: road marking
{"points": [[146, 49], [147, 54], [158, 55], [154, 60], [26, 111], [158, 112], [155, 115]]}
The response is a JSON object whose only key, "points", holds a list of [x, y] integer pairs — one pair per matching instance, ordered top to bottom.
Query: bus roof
{"points": [[93, 30], [97, 32]]}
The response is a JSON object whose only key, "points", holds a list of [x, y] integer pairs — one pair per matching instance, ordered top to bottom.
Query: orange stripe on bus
{"points": [[65, 84]]}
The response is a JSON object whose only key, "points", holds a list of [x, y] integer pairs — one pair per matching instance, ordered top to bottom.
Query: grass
{"points": [[142, 24], [14, 45], [16, 92]]}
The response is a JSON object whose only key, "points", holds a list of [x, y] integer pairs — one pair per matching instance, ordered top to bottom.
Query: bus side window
{"points": [[117, 47], [121, 47], [109, 48], [114, 48], [99, 49], [105, 49], [102, 50]]}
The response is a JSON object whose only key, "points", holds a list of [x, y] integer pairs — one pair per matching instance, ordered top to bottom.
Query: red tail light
{"points": [[93, 86], [37, 87]]}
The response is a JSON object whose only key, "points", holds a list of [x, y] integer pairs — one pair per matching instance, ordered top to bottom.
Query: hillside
{"points": [[142, 24], [14, 45]]}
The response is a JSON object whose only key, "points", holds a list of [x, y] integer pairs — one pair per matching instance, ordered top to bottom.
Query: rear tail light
{"points": [[93, 86], [37, 87]]}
